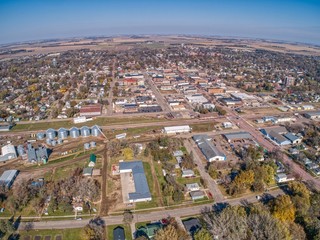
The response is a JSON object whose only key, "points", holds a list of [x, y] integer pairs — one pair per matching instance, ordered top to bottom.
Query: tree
{"points": [[127, 153], [213, 172], [242, 181], [178, 196], [283, 209], [127, 217], [230, 223], [94, 230], [167, 233], [202, 234]]}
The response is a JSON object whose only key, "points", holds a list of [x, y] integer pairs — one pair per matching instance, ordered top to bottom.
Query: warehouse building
{"points": [[91, 110], [177, 129], [237, 136], [208, 149], [8, 152], [38, 155], [8, 177], [141, 189]]}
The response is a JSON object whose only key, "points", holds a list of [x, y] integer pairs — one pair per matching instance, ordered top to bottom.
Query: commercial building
{"points": [[91, 110], [177, 129], [237, 136], [208, 149], [8, 152], [37, 155], [7, 178], [142, 192]]}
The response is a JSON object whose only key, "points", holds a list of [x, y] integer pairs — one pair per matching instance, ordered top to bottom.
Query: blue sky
{"points": [[292, 20]]}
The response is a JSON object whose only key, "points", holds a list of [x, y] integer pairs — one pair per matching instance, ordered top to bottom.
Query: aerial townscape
{"points": [[159, 136]]}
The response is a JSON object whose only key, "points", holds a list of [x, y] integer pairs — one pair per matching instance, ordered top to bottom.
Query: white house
{"points": [[192, 187]]}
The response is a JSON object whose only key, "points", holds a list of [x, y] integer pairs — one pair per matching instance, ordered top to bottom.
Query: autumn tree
{"points": [[283, 209], [167, 233], [202, 234]]}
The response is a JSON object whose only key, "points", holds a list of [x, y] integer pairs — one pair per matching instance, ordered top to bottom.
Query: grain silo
{"points": [[85, 131], [95, 131], [74, 132], [51, 133], [62, 133], [40, 135], [93, 144], [86, 146], [21, 151]]}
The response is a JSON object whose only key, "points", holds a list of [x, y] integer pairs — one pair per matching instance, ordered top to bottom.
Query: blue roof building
{"points": [[142, 192]]}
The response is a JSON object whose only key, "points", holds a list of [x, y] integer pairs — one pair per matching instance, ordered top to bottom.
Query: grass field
{"points": [[101, 121], [203, 127], [127, 231], [66, 234]]}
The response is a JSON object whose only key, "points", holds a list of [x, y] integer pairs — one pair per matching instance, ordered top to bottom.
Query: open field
{"points": [[126, 42]]}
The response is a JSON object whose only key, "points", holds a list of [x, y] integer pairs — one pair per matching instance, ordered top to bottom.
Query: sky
{"points": [[289, 20]]}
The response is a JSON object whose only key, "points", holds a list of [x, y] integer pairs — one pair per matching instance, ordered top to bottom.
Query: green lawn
{"points": [[184, 181], [127, 231], [66, 234]]}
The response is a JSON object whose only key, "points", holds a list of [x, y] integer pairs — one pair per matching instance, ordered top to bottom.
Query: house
{"points": [[312, 115], [178, 153], [92, 161], [312, 165], [87, 172], [187, 173], [282, 177], [7, 178], [192, 187], [142, 192], [196, 195], [77, 206], [192, 225], [149, 230], [118, 233]]}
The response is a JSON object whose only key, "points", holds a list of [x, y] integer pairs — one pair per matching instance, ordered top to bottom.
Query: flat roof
{"points": [[139, 177]]}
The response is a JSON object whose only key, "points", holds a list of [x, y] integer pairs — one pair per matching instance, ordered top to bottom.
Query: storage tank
{"points": [[85, 131], [95, 131], [74, 132], [51, 133], [62, 133], [40, 135], [48, 141], [53, 142], [93, 144], [86, 146], [20, 150]]}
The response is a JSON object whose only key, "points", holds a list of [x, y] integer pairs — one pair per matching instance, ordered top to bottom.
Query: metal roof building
{"points": [[177, 129], [85, 131], [95, 131], [74, 132], [51, 133], [62, 133], [237, 136], [208, 149], [8, 152], [8, 177], [142, 192]]}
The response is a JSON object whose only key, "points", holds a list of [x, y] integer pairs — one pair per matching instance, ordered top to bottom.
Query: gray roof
{"points": [[315, 113], [277, 129], [238, 135], [200, 137], [277, 137], [291, 137], [207, 148], [87, 171], [7, 177], [139, 177], [198, 193], [192, 225], [118, 233]]}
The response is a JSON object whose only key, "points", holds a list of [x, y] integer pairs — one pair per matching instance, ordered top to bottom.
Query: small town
{"points": [[158, 137]]}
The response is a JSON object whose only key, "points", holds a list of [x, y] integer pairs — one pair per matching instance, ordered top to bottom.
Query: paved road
{"points": [[160, 99], [244, 125], [212, 186], [142, 217]]}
